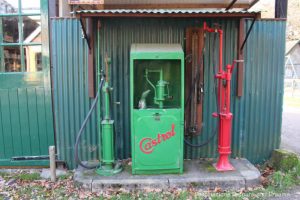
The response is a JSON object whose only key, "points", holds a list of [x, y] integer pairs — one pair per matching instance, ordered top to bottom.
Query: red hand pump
{"points": [[225, 116]]}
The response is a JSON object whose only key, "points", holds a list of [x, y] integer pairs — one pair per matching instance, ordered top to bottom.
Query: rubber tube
{"points": [[77, 159]]}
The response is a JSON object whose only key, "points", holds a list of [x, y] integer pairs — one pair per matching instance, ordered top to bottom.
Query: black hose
{"points": [[215, 131], [77, 159]]}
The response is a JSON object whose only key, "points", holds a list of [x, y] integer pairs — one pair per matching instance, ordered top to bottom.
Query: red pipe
{"points": [[225, 116]]}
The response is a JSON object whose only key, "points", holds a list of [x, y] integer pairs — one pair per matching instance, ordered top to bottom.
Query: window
{"points": [[20, 36]]}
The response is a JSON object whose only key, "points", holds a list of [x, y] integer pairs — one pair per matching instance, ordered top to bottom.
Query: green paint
{"points": [[160, 89], [26, 120], [157, 129], [254, 133], [108, 166]]}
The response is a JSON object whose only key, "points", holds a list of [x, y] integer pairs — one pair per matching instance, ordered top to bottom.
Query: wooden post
{"points": [[281, 8], [91, 63], [240, 66], [52, 163]]}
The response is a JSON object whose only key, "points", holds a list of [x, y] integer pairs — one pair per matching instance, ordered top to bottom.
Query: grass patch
{"points": [[292, 101], [3, 174], [28, 177], [64, 177], [280, 181]]}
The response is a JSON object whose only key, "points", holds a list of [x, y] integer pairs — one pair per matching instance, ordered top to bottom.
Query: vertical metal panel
{"points": [[264, 76], [71, 100], [257, 114]]}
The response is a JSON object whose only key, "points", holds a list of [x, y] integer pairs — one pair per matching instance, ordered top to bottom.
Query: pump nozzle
{"points": [[142, 102]]}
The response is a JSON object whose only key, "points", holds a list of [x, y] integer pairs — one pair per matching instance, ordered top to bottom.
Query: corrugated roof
{"points": [[159, 4], [166, 11]]}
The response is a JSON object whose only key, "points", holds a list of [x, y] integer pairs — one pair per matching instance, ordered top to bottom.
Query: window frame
{"points": [[21, 43]]}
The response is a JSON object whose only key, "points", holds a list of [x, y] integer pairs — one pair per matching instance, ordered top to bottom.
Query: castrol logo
{"points": [[147, 145]]}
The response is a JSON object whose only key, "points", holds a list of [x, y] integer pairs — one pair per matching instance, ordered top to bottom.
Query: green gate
{"points": [[26, 121]]}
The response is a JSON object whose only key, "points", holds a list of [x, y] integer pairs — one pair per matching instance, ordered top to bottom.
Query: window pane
{"points": [[8, 6], [31, 6], [10, 29], [32, 29], [33, 58], [12, 60]]}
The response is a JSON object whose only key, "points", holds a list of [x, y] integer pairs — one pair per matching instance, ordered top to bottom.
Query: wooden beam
{"points": [[85, 2], [104, 5], [231, 5], [170, 6], [281, 8], [174, 15], [91, 63], [240, 65], [194, 79]]}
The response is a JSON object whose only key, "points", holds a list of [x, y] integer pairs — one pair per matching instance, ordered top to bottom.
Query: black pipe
{"points": [[247, 35], [77, 159]]}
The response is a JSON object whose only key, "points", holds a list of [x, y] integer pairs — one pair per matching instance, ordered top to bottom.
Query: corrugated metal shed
{"points": [[174, 1], [168, 3], [166, 11], [214, 13], [70, 82], [261, 106], [257, 114]]}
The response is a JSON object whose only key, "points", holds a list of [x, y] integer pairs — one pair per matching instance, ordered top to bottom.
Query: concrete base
{"points": [[199, 174]]}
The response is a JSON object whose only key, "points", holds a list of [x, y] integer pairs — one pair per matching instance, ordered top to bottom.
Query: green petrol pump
{"points": [[157, 108], [108, 166]]}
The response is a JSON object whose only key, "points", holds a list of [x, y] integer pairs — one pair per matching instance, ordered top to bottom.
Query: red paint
{"points": [[225, 116], [147, 144]]}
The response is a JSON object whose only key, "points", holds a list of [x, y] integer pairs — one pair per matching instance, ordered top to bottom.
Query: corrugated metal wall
{"points": [[70, 82], [262, 103], [255, 133]]}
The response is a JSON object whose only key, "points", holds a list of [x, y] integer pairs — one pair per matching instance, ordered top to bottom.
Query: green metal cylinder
{"points": [[160, 91], [107, 142]]}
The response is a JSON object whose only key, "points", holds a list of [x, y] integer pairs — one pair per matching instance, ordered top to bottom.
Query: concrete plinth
{"points": [[197, 173]]}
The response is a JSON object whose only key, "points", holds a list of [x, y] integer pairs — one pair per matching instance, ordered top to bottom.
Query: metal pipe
{"points": [[147, 79], [224, 115]]}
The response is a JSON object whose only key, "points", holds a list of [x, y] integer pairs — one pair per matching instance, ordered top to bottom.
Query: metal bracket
{"points": [[84, 33], [247, 34]]}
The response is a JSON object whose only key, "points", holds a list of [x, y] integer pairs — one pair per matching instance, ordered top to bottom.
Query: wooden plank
{"points": [[78, 2], [231, 5], [171, 6], [281, 8], [208, 15], [91, 63], [240, 65], [194, 68], [41, 116], [15, 120], [33, 121], [24, 123], [6, 124], [2, 141]]}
